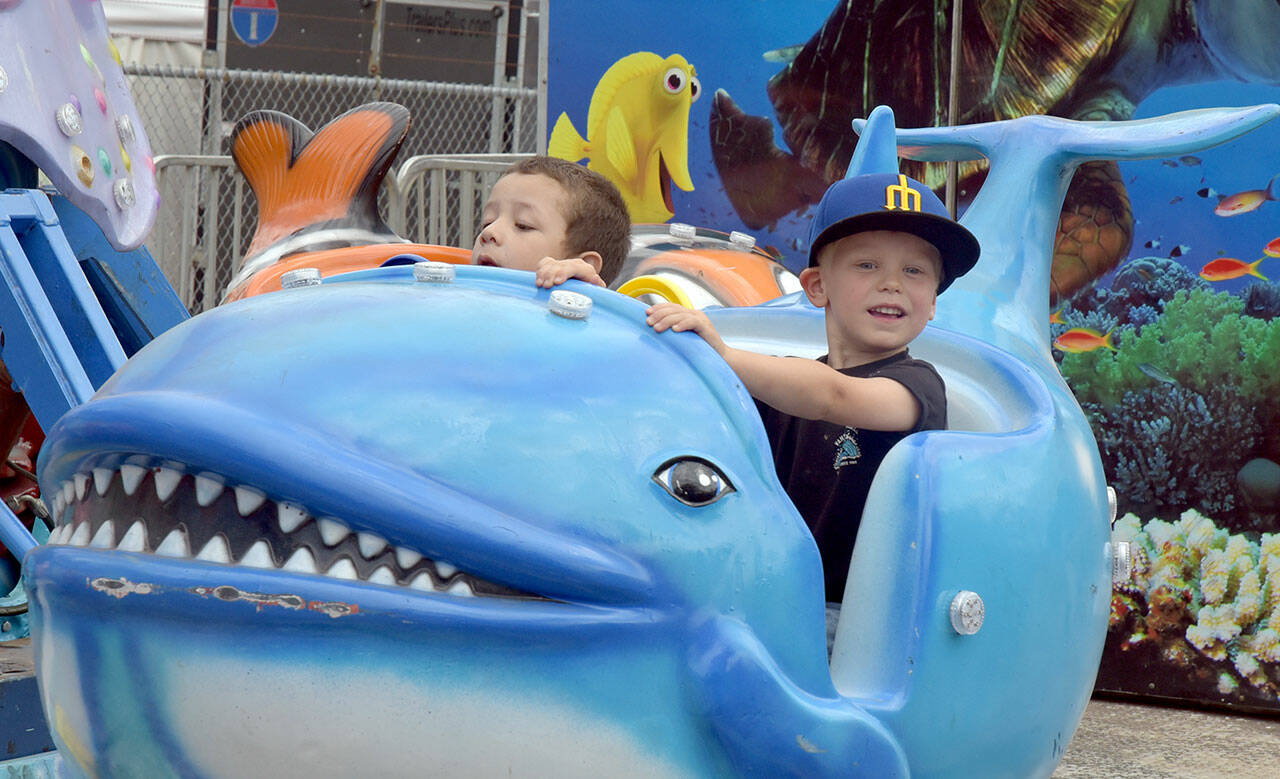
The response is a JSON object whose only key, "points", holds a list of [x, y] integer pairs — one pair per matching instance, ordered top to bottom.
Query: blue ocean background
{"points": [[727, 41]]}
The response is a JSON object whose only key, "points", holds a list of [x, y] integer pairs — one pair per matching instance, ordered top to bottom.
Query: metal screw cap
{"points": [[68, 119], [124, 128], [124, 194], [682, 232], [435, 272], [300, 277], [570, 305], [967, 612]]}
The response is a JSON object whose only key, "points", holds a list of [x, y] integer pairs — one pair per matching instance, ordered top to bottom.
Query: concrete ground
{"points": [[1119, 740]]}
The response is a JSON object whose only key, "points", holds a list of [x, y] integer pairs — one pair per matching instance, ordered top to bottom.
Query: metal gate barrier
{"points": [[208, 213]]}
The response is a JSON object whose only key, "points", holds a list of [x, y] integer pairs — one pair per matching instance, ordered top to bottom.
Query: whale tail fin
{"points": [[322, 181]]}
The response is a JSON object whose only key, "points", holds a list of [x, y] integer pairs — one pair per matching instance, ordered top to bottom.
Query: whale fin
{"points": [[1136, 139], [877, 149], [307, 182], [771, 727]]}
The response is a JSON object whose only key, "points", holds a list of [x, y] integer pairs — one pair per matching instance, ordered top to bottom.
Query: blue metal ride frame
{"points": [[71, 309], [58, 344]]}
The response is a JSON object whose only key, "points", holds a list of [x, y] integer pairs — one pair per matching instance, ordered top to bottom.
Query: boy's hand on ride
{"points": [[552, 272], [673, 316]]}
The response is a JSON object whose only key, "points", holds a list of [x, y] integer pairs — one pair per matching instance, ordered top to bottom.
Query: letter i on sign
{"points": [[254, 21]]}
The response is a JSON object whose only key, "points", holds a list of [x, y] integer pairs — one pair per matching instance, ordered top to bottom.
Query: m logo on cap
{"points": [[901, 197]]}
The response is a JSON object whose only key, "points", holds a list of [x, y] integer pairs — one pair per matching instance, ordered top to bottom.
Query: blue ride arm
{"points": [[1012, 508], [771, 727]]}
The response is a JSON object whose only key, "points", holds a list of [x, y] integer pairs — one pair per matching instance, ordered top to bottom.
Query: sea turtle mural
{"points": [[1081, 60]]}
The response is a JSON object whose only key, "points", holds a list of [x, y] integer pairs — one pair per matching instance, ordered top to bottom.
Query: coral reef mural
{"points": [[1181, 399], [1203, 601]]}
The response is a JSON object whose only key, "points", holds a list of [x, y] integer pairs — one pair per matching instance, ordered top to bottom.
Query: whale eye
{"points": [[674, 80], [695, 88], [692, 481]]}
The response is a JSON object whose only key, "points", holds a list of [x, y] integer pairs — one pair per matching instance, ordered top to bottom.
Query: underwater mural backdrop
{"points": [[1166, 303]]}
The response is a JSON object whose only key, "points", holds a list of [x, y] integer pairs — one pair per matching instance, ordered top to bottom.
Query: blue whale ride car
{"points": [[416, 520], [405, 522]]}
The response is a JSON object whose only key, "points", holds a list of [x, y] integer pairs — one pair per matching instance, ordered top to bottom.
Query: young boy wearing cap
{"points": [[881, 248]]}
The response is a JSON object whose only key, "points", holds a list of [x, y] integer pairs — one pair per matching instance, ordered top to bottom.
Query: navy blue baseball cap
{"points": [[892, 201]]}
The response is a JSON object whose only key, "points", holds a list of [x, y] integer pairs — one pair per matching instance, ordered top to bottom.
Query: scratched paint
{"points": [[119, 588], [226, 592], [261, 600]]}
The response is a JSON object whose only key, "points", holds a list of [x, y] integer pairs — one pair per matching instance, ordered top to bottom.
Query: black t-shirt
{"points": [[827, 469]]}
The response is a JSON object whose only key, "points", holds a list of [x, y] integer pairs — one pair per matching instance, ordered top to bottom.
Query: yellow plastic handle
{"points": [[654, 285]]}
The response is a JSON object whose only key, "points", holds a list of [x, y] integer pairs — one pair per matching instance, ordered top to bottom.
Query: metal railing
{"points": [[191, 110], [436, 199], [208, 213], [203, 226]]}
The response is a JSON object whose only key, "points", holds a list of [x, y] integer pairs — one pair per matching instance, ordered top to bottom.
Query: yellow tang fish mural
{"points": [[637, 131]]}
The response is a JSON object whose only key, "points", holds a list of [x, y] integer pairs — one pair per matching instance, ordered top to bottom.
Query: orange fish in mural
{"points": [[1248, 200], [1272, 249], [1227, 268], [1056, 318], [1082, 339]]}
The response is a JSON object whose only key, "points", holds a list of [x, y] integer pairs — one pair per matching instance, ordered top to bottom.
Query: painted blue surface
{"points": [[133, 292], [58, 343], [466, 423], [528, 461]]}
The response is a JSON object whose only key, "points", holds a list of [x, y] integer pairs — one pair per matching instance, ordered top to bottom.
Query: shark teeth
{"points": [[131, 477], [102, 480], [166, 481], [82, 484], [207, 489], [248, 500], [191, 514], [290, 517], [332, 531], [81, 535], [105, 538], [135, 538], [370, 544], [173, 545], [215, 551], [258, 556], [407, 558], [302, 561], [343, 569]]}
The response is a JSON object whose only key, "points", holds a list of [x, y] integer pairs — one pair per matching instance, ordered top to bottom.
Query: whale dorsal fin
{"points": [[877, 148], [330, 178]]}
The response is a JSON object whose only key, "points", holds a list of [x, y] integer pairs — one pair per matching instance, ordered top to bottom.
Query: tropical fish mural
{"points": [[1105, 57], [637, 131], [1248, 200], [1227, 268], [1082, 339]]}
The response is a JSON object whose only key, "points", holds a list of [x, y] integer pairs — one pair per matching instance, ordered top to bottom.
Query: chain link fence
{"points": [[208, 213]]}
